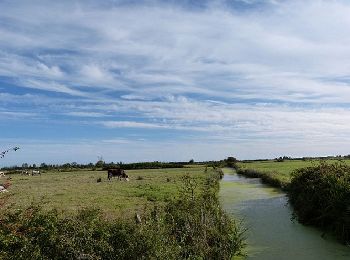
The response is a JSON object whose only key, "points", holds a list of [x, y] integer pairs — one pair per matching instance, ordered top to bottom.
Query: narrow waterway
{"points": [[272, 234]]}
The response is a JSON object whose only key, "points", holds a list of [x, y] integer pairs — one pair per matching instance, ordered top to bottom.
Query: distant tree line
{"points": [[283, 158], [102, 165], [144, 165], [49, 167]]}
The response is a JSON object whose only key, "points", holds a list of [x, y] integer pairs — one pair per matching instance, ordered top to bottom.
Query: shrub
{"points": [[320, 196], [200, 226]]}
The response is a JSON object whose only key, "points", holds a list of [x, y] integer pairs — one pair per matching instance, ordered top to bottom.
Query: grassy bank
{"points": [[276, 174], [272, 178]]}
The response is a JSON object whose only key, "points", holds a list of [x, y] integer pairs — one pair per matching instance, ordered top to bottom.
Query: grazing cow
{"points": [[35, 172], [114, 173], [119, 173], [125, 176]]}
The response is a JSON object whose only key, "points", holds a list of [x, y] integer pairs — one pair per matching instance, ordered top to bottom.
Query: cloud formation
{"points": [[237, 73]]}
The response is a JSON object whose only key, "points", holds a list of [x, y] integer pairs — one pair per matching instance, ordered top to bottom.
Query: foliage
{"points": [[2, 154], [231, 162], [100, 165], [144, 165], [320, 196], [194, 226]]}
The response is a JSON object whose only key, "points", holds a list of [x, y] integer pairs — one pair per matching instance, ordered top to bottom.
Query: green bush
{"points": [[320, 196], [200, 226], [191, 227]]}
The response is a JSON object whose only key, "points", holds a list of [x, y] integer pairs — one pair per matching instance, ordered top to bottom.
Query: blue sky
{"points": [[173, 80]]}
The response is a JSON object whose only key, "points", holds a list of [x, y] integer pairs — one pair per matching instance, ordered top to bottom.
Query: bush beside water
{"points": [[320, 196], [194, 226]]}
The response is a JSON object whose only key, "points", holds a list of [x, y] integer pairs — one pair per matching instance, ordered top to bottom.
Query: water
{"points": [[271, 232]]}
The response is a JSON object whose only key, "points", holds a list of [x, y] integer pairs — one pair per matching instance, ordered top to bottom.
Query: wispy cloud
{"points": [[218, 70]]}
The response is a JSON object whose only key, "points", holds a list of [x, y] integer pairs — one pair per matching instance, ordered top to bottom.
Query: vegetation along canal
{"points": [[272, 234]]}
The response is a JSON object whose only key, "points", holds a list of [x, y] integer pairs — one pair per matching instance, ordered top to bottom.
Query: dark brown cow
{"points": [[120, 173]]}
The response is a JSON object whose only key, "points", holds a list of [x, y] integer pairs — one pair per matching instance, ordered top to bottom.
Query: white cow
{"points": [[34, 172], [2, 174]]}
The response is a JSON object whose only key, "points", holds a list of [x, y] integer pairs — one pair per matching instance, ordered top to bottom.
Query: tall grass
{"points": [[320, 196], [193, 226]]}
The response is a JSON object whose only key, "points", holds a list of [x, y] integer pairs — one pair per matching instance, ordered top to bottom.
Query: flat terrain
{"points": [[281, 170], [69, 191]]}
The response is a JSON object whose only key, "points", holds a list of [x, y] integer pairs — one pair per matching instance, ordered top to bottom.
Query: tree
{"points": [[231, 162], [100, 163], [24, 165], [44, 166]]}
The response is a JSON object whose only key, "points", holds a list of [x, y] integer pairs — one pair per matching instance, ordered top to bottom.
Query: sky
{"points": [[173, 80]]}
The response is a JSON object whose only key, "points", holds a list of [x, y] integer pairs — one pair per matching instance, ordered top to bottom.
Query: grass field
{"points": [[280, 170], [70, 191]]}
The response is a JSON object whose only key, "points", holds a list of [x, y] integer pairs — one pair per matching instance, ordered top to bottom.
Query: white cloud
{"points": [[249, 55], [278, 73], [84, 114], [129, 124]]}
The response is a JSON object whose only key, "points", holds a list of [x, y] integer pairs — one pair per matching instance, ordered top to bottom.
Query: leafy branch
{"points": [[2, 154]]}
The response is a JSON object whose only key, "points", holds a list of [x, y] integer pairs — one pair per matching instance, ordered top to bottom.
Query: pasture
{"points": [[281, 170], [70, 191]]}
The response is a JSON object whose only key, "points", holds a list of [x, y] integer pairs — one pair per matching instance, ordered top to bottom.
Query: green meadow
{"points": [[281, 170], [71, 191]]}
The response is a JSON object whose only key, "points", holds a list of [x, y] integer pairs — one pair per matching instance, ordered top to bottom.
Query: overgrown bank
{"points": [[320, 196], [193, 226]]}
